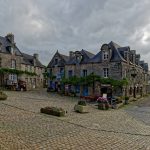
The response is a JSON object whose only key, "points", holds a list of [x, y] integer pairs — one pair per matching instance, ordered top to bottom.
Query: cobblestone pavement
{"points": [[23, 127]]}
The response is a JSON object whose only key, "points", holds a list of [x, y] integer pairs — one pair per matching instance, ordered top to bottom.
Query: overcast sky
{"points": [[44, 26]]}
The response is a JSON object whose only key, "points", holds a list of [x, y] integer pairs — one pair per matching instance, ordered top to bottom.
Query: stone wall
{"points": [[32, 81]]}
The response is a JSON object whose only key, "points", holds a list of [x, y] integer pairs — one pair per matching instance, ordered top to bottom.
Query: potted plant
{"points": [[3, 96], [126, 99], [103, 103], [81, 107], [53, 111]]}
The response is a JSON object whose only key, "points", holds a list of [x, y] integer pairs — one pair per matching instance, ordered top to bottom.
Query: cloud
{"points": [[44, 26]]}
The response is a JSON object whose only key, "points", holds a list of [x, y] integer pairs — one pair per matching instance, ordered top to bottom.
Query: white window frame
{"points": [[12, 50], [105, 55], [13, 64], [84, 72], [105, 72]]}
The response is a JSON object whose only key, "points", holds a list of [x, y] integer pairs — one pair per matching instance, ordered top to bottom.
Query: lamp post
{"points": [[134, 74]]}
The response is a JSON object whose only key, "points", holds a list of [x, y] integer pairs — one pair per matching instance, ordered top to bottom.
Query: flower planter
{"points": [[3, 96], [103, 103], [81, 108], [53, 111]]}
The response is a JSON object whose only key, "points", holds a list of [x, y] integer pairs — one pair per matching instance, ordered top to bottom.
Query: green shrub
{"points": [[3, 96], [126, 98], [118, 99], [83, 103], [53, 111]]}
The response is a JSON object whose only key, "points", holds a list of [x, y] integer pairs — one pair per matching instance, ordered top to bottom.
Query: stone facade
{"points": [[12, 58], [112, 61], [56, 69]]}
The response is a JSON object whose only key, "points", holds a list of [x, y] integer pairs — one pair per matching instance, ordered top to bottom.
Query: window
{"points": [[0, 46], [12, 50], [105, 55], [126, 55], [56, 61], [0, 62], [13, 64], [26, 68], [30, 68], [61, 70], [50, 72], [106, 72], [70, 73], [84, 73], [125, 73], [13, 77], [26, 79], [31, 80]]}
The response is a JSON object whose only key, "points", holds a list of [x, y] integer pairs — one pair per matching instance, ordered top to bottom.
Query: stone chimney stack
{"points": [[10, 37], [71, 54], [36, 56], [133, 56]]}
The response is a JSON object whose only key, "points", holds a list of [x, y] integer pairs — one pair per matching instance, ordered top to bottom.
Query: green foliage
{"points": [[15, 71], [45, 74], [90, 79], [72, 80], [3, 96], [126, 98], [83, 103]]}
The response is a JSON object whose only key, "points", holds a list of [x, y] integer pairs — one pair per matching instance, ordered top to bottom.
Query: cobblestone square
{"points": [[23, 127]]}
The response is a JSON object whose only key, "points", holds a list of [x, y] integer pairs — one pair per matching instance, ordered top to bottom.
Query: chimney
{"points": [[10, 37], [71, 54], [133, 55], [36, 56], [137, 59]]}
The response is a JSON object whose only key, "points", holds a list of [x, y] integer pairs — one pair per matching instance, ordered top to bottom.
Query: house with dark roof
{"points": [[112, 61], [16, 66], [56, 69]]}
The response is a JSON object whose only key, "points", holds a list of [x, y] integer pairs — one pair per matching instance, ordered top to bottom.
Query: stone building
{"points": [[12, 59], [112, 61], [32, 64], [56, 69]]}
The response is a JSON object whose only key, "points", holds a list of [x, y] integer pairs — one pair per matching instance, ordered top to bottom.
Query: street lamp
{"points": [[134, 74]]}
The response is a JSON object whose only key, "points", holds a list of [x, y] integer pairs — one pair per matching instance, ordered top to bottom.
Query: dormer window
{"points": [[0, 46], [11, 50], [105, 55], [126, 55], [79, 58], [56, 61], [0, 62], [13, 64]]}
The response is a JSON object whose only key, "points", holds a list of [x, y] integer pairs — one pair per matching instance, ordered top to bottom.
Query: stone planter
{"points": [[3, 96], [103, 106], [81, 108], [53, 111]]}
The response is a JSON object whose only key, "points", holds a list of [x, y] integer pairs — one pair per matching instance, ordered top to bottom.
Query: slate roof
{"points": [[5, 43], [116, 54], [86, 58], [97, 58], [29, 60], [61, 63], [144, 65]]}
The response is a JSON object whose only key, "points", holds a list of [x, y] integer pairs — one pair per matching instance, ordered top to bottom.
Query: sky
{"points": [[45, 26]]}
